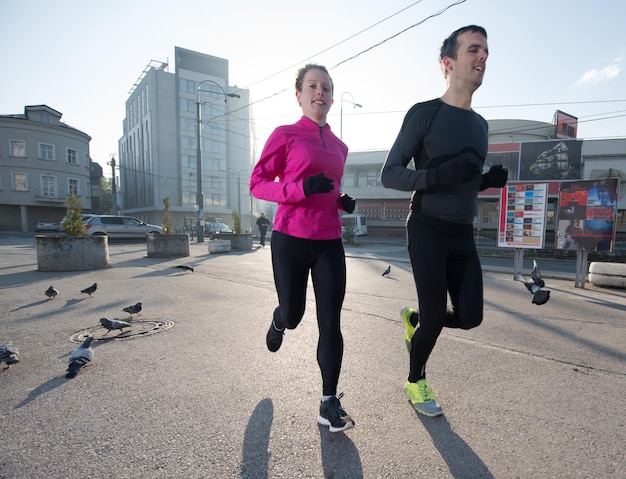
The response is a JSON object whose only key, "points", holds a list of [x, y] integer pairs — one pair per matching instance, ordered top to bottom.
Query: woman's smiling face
{"points": [[316, 96]]}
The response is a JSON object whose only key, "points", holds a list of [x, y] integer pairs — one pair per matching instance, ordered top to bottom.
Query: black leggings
{"points": [[292, 259], [444, 260]]}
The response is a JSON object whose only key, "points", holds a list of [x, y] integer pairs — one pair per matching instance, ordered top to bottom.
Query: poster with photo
{"points": [[554, 160], [523, 215], [586, 215]]}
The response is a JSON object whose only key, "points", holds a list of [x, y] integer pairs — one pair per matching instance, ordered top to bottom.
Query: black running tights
{"points": [[292, 259], [444, 261]]}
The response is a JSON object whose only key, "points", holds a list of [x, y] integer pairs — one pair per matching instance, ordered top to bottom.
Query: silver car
{"points": [[119, 227]]}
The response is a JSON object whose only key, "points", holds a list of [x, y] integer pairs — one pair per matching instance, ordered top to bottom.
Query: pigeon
{"points": [[185, 268], [387, 271], [535, 275], [91, 290], [52, 292], [540, 296], [134, 309], [110, 324], [9, 355], [79, 358]]}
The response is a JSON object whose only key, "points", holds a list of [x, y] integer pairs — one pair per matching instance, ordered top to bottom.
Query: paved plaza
{"points": [[534, 392]]}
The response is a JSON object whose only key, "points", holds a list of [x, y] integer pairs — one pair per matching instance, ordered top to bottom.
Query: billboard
{"points": [[565, 126], [505, 154], [554, 160], [522, 215], [586, 217]]}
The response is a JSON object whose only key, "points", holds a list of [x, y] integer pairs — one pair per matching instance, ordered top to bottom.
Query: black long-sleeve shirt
{"points": [[434, 132]]}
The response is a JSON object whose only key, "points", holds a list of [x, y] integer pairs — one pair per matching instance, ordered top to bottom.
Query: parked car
{"points": [[84, 218], [47, 225], [119, 227], [213, 230]]}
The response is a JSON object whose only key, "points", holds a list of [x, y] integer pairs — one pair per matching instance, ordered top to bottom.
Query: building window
{"points": [[187, 105], [44, 118], [17, 148], [46, 151], [72, 156], [87, 160], [188, 161], [372, 178], [348, 179], [19, 182], [48, 186], [72, 187], [189, 198], [218, 200]]}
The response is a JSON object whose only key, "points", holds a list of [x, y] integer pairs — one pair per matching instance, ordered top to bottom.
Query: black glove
{"points": [[453, 172], [496, 177], [317, 184], [347, 203]]}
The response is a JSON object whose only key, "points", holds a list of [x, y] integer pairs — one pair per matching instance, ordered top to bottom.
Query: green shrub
{"points": [[167, 217], [236, 223], [73, 224]]}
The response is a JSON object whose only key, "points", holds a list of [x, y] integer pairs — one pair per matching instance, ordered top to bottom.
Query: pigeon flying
{"points": [[185, 268], [387, 271], [91, 290], [52, 292], [540, 296], [134, 309], [111, 324], [9, 355], [79, 358]]}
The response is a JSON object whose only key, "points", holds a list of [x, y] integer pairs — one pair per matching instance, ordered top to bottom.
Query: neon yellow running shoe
{"points": [[409, 329], [422, 398]]}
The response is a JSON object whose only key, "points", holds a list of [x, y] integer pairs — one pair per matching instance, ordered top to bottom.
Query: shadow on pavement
{"points": [[46, 387], [256, 440], [459, 456], [340, 457]]}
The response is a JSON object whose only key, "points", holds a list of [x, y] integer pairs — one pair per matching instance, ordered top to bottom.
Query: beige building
{"points": [[515, 144], [42, 161]]}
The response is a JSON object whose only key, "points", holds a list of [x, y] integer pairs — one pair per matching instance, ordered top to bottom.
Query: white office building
{"points": [[158, 150]]}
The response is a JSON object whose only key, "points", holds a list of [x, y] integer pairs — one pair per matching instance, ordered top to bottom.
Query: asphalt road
{"points": [[534, 392]]}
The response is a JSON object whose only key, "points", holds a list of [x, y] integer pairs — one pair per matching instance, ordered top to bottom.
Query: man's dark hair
{"points": [[450, 45]]}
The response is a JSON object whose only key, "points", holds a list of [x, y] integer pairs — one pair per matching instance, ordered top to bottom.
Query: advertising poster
{"points": [[566, 125], [554, 160], [523, 215], [586, 218]]}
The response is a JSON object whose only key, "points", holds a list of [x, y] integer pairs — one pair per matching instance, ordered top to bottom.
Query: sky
{"points": [[82, 59]]}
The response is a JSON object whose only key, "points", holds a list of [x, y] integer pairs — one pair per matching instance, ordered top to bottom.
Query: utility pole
{"points": [[113, 186]]}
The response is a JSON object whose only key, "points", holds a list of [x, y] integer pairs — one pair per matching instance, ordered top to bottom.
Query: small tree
{"points": [[167, 216], [73, 223], [236, 223], [349, 233]]}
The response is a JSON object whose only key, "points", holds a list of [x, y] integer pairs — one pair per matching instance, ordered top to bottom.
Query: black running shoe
{"points": [[274, 337], [333, 415]]}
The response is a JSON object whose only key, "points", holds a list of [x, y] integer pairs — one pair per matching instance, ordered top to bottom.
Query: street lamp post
{"points": [[354, 105], [199, 192]]}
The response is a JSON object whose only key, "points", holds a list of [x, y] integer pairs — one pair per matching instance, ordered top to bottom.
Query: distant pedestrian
{"points": [[301, 168], [262, 223]]}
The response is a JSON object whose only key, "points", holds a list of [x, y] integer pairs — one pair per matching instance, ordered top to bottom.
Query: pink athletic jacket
{"points": [[291, 154]]}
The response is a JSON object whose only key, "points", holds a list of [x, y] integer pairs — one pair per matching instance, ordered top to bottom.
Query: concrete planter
{"points": [[242, 241], [165, 245], [219, 246], [72, 253]]}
